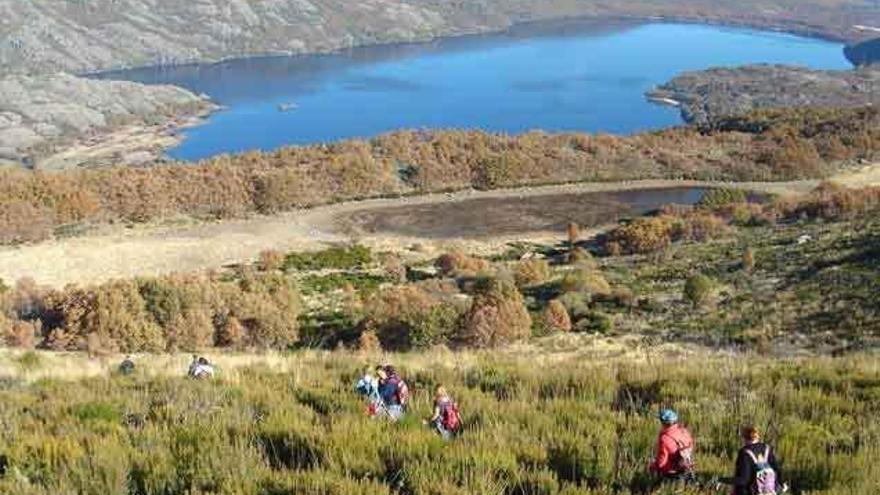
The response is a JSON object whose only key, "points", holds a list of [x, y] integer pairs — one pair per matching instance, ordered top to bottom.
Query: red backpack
{"points": [[402, 392], [451, 418], [684, 457]]}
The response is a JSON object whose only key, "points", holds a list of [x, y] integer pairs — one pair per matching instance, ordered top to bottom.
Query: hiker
{"points": [[193, 365], [126, 367], [202, 370], [368, 386], [393, 390], [446, 419], [674, 461], [757, 472]]}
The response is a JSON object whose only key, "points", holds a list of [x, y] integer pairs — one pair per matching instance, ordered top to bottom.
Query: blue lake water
{"points": [[556, 77]]}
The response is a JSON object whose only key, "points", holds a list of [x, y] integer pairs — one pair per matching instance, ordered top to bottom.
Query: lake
{"points": [[565, 76]]}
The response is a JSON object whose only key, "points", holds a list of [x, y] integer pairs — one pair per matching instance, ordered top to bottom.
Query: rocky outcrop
{"points": [[40, 36], [705, 95], [38, 113]]}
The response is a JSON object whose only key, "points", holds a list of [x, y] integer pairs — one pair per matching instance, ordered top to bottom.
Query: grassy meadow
{"points": [[560, 356], [553, 424]]}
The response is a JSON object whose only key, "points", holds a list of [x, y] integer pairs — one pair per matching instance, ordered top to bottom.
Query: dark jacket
{"points": [[388, 390], [744, 478]]}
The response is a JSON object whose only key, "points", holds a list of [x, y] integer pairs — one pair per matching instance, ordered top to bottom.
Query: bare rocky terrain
{"points": [[79, 36], [704, 95], [42, 114]]}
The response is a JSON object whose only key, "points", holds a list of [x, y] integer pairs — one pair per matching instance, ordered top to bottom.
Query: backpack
{"points": [[401, 392], [451, 418], [684, 457], [765, 475]]}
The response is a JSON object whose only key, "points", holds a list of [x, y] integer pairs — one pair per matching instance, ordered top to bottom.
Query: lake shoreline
{"points": [[137, 148]]}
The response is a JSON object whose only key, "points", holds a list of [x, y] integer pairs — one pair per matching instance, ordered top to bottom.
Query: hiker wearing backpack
{"points": [[126, 367], [202, 369], [368, 387], [394, 391], [446, 418], [674, 460], [757, 472]]}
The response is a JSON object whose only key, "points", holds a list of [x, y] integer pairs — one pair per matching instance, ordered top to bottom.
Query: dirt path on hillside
{"points": [[154, 250]]}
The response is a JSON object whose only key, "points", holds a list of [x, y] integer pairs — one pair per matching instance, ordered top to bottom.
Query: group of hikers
{"points": [[199, 368], [388, 397], [757, 471]]}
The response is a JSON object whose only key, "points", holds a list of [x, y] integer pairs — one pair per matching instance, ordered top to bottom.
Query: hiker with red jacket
{"points": [[393, 390], [446, 419], [674, 461], [757, 471]]}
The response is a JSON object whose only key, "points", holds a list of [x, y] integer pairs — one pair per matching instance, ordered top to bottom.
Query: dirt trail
{"points": [[154, 250]]}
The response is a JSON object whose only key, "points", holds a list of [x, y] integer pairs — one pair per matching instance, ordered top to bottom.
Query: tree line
{"points": [[763, 145]]}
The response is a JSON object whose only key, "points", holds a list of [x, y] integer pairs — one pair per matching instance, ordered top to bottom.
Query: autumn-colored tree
{"points": [[748, 260], [457, 263], [532, 272], [497, 316], [555, 318]]}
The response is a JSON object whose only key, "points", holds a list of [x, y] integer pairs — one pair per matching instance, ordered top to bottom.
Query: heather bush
{"points": [[719, 197], [642, 235], [340, 258], [270, 260], [748, 260], [459, 264], [532, 272], [587, 281], [699, 289], [159, 314], [412, 316], [497, 316], [553, 318]]}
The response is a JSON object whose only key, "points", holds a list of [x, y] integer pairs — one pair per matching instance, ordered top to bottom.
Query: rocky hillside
{"points": [[86, 35], [717, 92], [39, 112]]}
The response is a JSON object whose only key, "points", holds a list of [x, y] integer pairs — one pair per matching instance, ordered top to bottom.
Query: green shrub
{"points": [[722, 196], [340, 258], [532, 272], [585, 280], [699, 289], [594, 322]]}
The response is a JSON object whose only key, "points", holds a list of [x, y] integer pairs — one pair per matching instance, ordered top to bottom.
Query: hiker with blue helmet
{"points": [[393, 390], [674, 460], [757, 470]]}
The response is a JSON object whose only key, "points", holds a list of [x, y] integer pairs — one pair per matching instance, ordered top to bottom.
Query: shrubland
{"points": [[762, 145], [772, 276], [584, 428]]}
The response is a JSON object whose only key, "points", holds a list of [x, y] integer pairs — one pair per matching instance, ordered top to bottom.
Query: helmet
{"points": [[668, 416]]}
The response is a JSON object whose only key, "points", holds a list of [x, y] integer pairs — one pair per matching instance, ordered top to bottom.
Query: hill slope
{"points": [[47, 35], [719, 92]]}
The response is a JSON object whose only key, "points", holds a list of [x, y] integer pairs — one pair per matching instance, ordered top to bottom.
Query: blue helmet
{"points": [[668, 416]]}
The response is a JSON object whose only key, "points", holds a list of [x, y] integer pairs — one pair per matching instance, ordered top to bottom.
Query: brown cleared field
{"points": [[501, 216], [153, 250]]}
